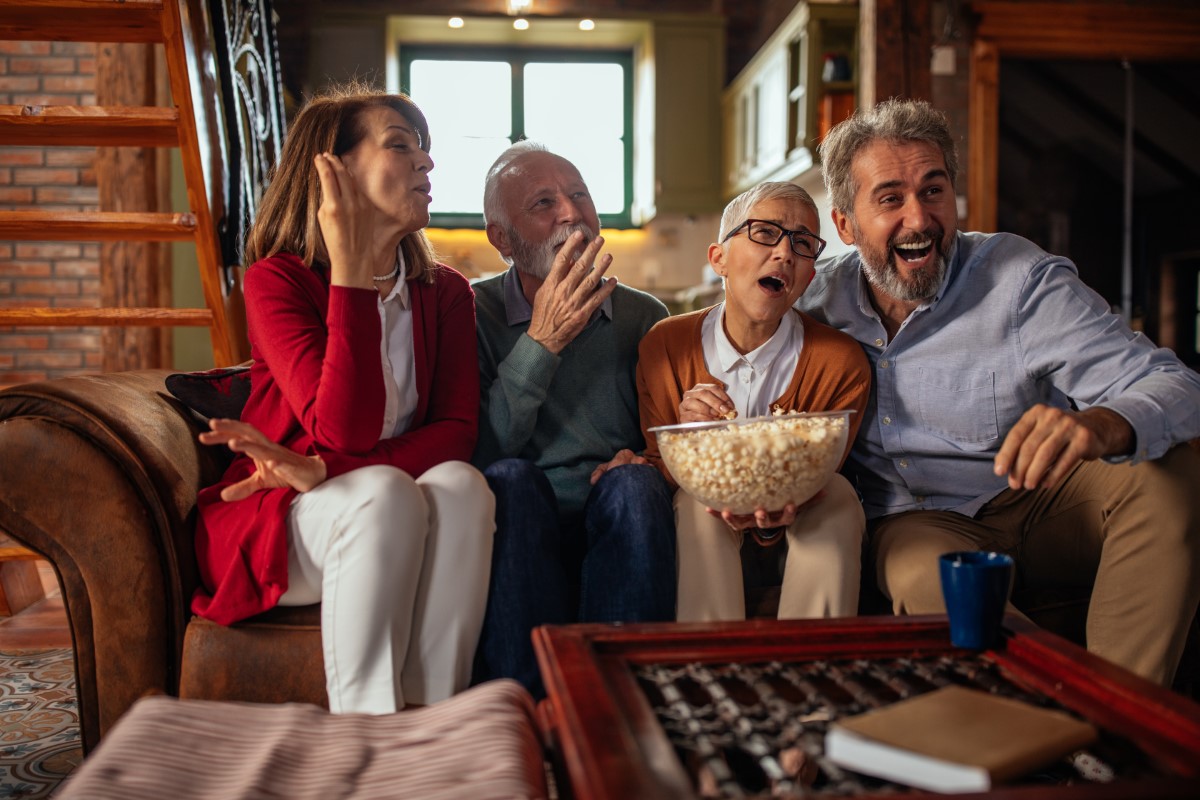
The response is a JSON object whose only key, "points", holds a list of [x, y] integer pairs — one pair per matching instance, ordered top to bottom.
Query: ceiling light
{"points": [[516, 7], [456, 22], [521, 24], [587, 25]]}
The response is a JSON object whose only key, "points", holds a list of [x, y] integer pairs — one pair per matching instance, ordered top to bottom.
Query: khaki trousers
{"points": [[1132, 533], [821, 577]]}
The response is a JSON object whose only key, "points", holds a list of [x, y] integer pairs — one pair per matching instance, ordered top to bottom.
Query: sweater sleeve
{"points": [[314, 353], [513, 391], [659, 393], [451, 425]]}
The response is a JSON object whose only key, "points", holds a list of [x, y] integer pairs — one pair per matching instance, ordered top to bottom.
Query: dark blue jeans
{"points": [[625, 538]]}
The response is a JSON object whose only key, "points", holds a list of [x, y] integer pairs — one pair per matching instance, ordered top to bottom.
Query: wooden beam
{"points": [[81, 20], [1137, 32], [903, 46], [193, 90], [44, 126], [982, 146], [96, 226], [133, 273], [53, 317]]}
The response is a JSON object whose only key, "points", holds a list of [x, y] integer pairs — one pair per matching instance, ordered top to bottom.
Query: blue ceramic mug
{"points": [[975, 585]]}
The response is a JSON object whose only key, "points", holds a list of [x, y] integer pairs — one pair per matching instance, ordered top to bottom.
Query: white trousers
{"points": [[824, 560], [401, 570]]}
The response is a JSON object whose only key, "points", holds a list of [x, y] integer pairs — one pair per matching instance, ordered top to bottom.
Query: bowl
{"points": [[757, 462]]}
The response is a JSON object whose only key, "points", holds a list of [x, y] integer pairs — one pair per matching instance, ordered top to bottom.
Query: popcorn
{"points": [[762, 461]]}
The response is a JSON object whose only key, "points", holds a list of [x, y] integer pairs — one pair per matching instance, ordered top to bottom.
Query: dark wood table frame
{"points": [[609, 744]]}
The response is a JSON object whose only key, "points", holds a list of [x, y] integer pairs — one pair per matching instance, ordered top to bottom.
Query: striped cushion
{"points": [[480, 744]]}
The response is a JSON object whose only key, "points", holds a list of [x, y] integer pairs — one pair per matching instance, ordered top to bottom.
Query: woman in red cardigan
{"points": [[350, 486]]}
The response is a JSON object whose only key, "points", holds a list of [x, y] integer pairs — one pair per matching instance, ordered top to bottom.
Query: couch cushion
{"points": [[220, 392], [275, 657]]}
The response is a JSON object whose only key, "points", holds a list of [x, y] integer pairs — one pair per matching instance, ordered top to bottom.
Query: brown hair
{"points": [[287, 216]]}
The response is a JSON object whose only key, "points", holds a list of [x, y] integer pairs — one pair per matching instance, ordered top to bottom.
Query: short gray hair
{"points": [[895, 121], [493, 209], [735, 213]]}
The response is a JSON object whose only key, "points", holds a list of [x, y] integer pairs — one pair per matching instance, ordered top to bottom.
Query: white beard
{"points": [[536, 260]]}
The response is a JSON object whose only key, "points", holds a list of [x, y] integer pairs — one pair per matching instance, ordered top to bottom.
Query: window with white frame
{"points": [[479, 100]]}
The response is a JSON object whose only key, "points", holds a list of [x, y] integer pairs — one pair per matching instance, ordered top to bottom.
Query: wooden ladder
{"points": [[193, 125]]}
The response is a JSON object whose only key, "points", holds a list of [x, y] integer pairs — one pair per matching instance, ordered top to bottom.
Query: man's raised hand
{"points": [[571, 293]]}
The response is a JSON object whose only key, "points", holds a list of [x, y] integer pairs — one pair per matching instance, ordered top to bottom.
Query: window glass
{"points": [[479, 100], [588, 131], [467, 136]]}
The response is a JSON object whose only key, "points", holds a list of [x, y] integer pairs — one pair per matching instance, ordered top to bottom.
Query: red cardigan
{"points": [[317, 387]]}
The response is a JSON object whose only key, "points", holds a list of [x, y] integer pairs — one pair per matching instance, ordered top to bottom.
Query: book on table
{"points": [[955, 739]]}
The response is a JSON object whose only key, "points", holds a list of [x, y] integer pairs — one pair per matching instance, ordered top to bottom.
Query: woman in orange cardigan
{"points": [[751, 354]]}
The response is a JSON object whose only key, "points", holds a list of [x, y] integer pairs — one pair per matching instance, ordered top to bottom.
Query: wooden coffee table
{"points": [[678, 710]]}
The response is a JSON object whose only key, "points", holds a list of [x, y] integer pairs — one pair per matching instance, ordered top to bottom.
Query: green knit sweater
{"points": [[569, 412]]}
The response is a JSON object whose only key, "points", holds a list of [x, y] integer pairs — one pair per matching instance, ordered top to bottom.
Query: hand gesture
{"points": [[346, 220], [570, 294], [705, 402], [1047, 443], [622, 457], [275, 466], [761, 518]]}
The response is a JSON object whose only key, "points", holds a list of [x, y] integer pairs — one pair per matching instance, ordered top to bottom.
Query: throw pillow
{"points": [[220, 392]]}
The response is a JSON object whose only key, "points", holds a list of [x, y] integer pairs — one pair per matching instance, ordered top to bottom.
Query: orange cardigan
{"points": [[832, 375]]}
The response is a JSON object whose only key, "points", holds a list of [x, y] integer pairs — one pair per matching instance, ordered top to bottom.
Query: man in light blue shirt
{"points": [[1010, 409]]}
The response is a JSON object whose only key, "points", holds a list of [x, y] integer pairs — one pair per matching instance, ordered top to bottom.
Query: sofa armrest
{"points": [[100, 475]]}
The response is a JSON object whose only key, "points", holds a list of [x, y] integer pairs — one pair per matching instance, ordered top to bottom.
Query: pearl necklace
{"points": [[381, 278]]}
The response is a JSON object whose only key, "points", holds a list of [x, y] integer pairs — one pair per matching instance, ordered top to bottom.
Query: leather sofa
{"points": [[100, 473]]}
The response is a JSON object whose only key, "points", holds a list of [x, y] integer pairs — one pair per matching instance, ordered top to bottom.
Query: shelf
{"points": [[839, 86], [778, 108]]}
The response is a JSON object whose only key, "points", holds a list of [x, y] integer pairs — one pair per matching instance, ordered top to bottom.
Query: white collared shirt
{"points": [[399, 356], [755, 380]]}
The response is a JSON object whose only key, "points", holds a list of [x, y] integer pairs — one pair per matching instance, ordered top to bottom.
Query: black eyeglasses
{"points": [[768, 234]]}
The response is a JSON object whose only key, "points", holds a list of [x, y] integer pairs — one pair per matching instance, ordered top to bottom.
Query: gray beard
{"points": [[536, 259], [881, 272]]}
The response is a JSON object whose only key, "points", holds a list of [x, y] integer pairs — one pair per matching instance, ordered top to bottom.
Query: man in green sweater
{"points": [[584, 526]]}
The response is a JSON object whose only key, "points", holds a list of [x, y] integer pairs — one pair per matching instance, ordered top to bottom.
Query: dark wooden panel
{"points": [[81, 20]]}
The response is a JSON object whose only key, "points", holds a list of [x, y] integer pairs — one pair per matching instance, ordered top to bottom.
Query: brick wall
{"points": [[62, 274]]}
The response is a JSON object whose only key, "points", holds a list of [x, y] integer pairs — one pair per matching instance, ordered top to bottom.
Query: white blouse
{"points": [[399, 356], [754, 380]]}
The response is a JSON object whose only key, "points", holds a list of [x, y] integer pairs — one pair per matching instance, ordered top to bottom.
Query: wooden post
{"points": [[898, 65], [983, 143], [136, 274]]}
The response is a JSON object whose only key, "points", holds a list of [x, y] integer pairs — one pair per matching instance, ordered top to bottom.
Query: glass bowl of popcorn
{"points": [[745, 464]]}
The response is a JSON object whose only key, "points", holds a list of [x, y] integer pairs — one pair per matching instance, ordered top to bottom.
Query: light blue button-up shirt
{"points": [[1011, 326]]}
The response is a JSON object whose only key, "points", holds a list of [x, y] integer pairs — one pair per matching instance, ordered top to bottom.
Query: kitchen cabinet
{"points": [[689, 65], [799, 84]]}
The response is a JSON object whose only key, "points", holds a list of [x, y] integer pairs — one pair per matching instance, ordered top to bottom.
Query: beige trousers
{"points": [[1131, 533], [401, 569], [820, 579]]}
